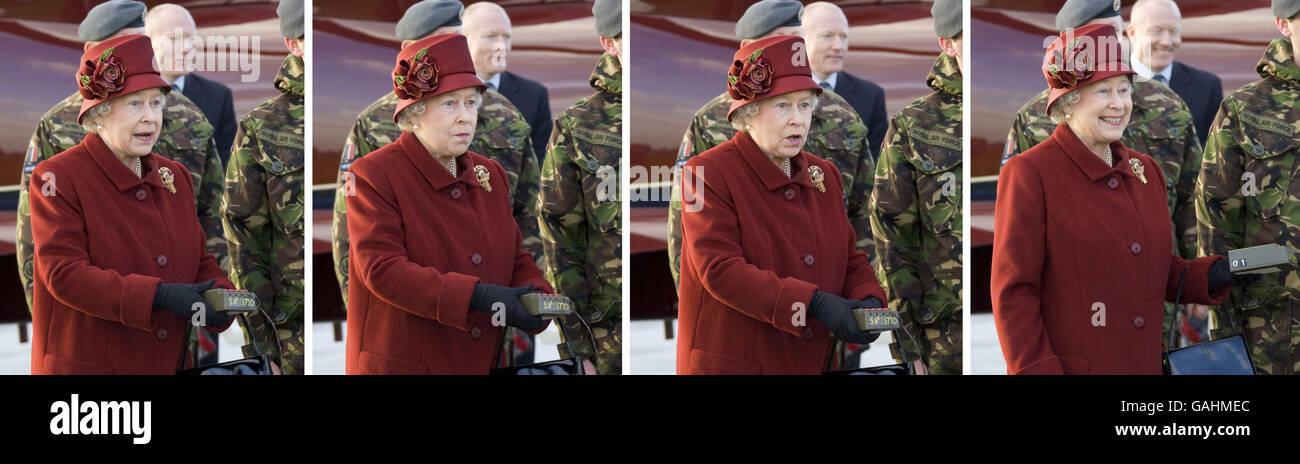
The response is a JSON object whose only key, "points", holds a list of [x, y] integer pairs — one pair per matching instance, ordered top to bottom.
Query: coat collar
{"points": [[1087, 161], [766, 170], [118, 173], [438, 176]]}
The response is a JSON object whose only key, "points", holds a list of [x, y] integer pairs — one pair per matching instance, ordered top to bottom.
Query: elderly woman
{"points": [[118, 248], [1083, 254], [436, 259], [769, 268]]}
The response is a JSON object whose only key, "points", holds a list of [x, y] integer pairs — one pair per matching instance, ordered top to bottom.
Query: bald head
{"points": [[172, 31], [487, 32], [1155, 32], [826, 33]]}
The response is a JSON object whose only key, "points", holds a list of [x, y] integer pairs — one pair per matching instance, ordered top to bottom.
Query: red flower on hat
{"points": [[1075, 66], [751, 78], [97, 80], [412, 80]]}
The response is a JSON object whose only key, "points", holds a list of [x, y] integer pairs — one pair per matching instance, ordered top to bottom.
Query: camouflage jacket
{"points": [[1161, 126], [837, 134], [502, 135], [186, 137], [1248, 193], [264, 199], [916, 205], [579, 208]]}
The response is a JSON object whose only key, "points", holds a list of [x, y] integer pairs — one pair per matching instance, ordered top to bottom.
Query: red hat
{"points": [[1093, 53], [116, 67], [431, 67], [767, 68]]}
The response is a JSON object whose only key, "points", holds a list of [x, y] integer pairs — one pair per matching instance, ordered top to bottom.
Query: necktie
{"points": [[1161, 79], [825, 85], [491, 86], [175, 87]]}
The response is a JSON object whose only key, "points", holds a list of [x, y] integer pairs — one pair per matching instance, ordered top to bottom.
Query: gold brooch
{"points": [[1138, 169], [483, 177], [818, 178], [168, 180]]}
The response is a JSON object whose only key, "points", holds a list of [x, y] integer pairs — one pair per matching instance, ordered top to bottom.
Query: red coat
{"points": [[421, 240], [104, 241], [755, 245], [1083, 260]]}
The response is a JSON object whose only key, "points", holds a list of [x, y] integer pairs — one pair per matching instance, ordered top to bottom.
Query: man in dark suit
{"points": [[168, 27], [487, 29], [1155, 32], [826, 33]]}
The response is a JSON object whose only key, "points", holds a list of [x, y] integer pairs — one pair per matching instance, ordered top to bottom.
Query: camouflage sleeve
{"points": [[1018, 138], [692, 141], [356, 146], [208, 199], [858, 202], [525, 203], [1219, 203], [1184, 213], [247, 219], [562, 221], [896, 222], [24, 251]]}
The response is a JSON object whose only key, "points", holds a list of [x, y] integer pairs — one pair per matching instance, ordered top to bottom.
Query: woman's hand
{"points": [[1221, 276], [486, 296], [184, 299], [837, 315]]}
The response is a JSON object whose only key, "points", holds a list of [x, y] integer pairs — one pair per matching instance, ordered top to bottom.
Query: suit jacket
{"points": [[1201, 91], [531, 99], [868, 99], [216, 102], [104, 241], [421, 241], [756, 245], [1083, 261]]}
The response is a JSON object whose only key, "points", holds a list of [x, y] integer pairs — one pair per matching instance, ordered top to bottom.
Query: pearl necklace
{"points": [[1109, 158], [451, 166], [785, 167], [137, 169]]}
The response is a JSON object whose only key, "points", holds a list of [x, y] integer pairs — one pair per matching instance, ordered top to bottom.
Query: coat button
{"points": [[1259, 150], [593, 164], [927, 165], [277, 166], [1113, 183], [455, 193], [140, 194], [789, 194], [1136, 248], [476, 258], [162, 260], [808, 260], [1138, 322], [475, 332], [807, 333], [161, 334]]}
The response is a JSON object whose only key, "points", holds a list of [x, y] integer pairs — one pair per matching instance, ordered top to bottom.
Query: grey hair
{"points": [[1062, 107], [741, 118], [406, 119], [91, 121]]}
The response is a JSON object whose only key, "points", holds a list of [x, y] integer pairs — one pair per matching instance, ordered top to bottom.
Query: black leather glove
{"points": [[1221, 276], [485, 295], [179, 299], [872, 303], [837, 315]]}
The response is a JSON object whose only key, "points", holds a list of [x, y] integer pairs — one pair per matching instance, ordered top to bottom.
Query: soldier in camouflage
{"points": [[837, 134], [502, 135], [186, 137], [1247, 195], [264, 208], [579, 210], [916, 211]]}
